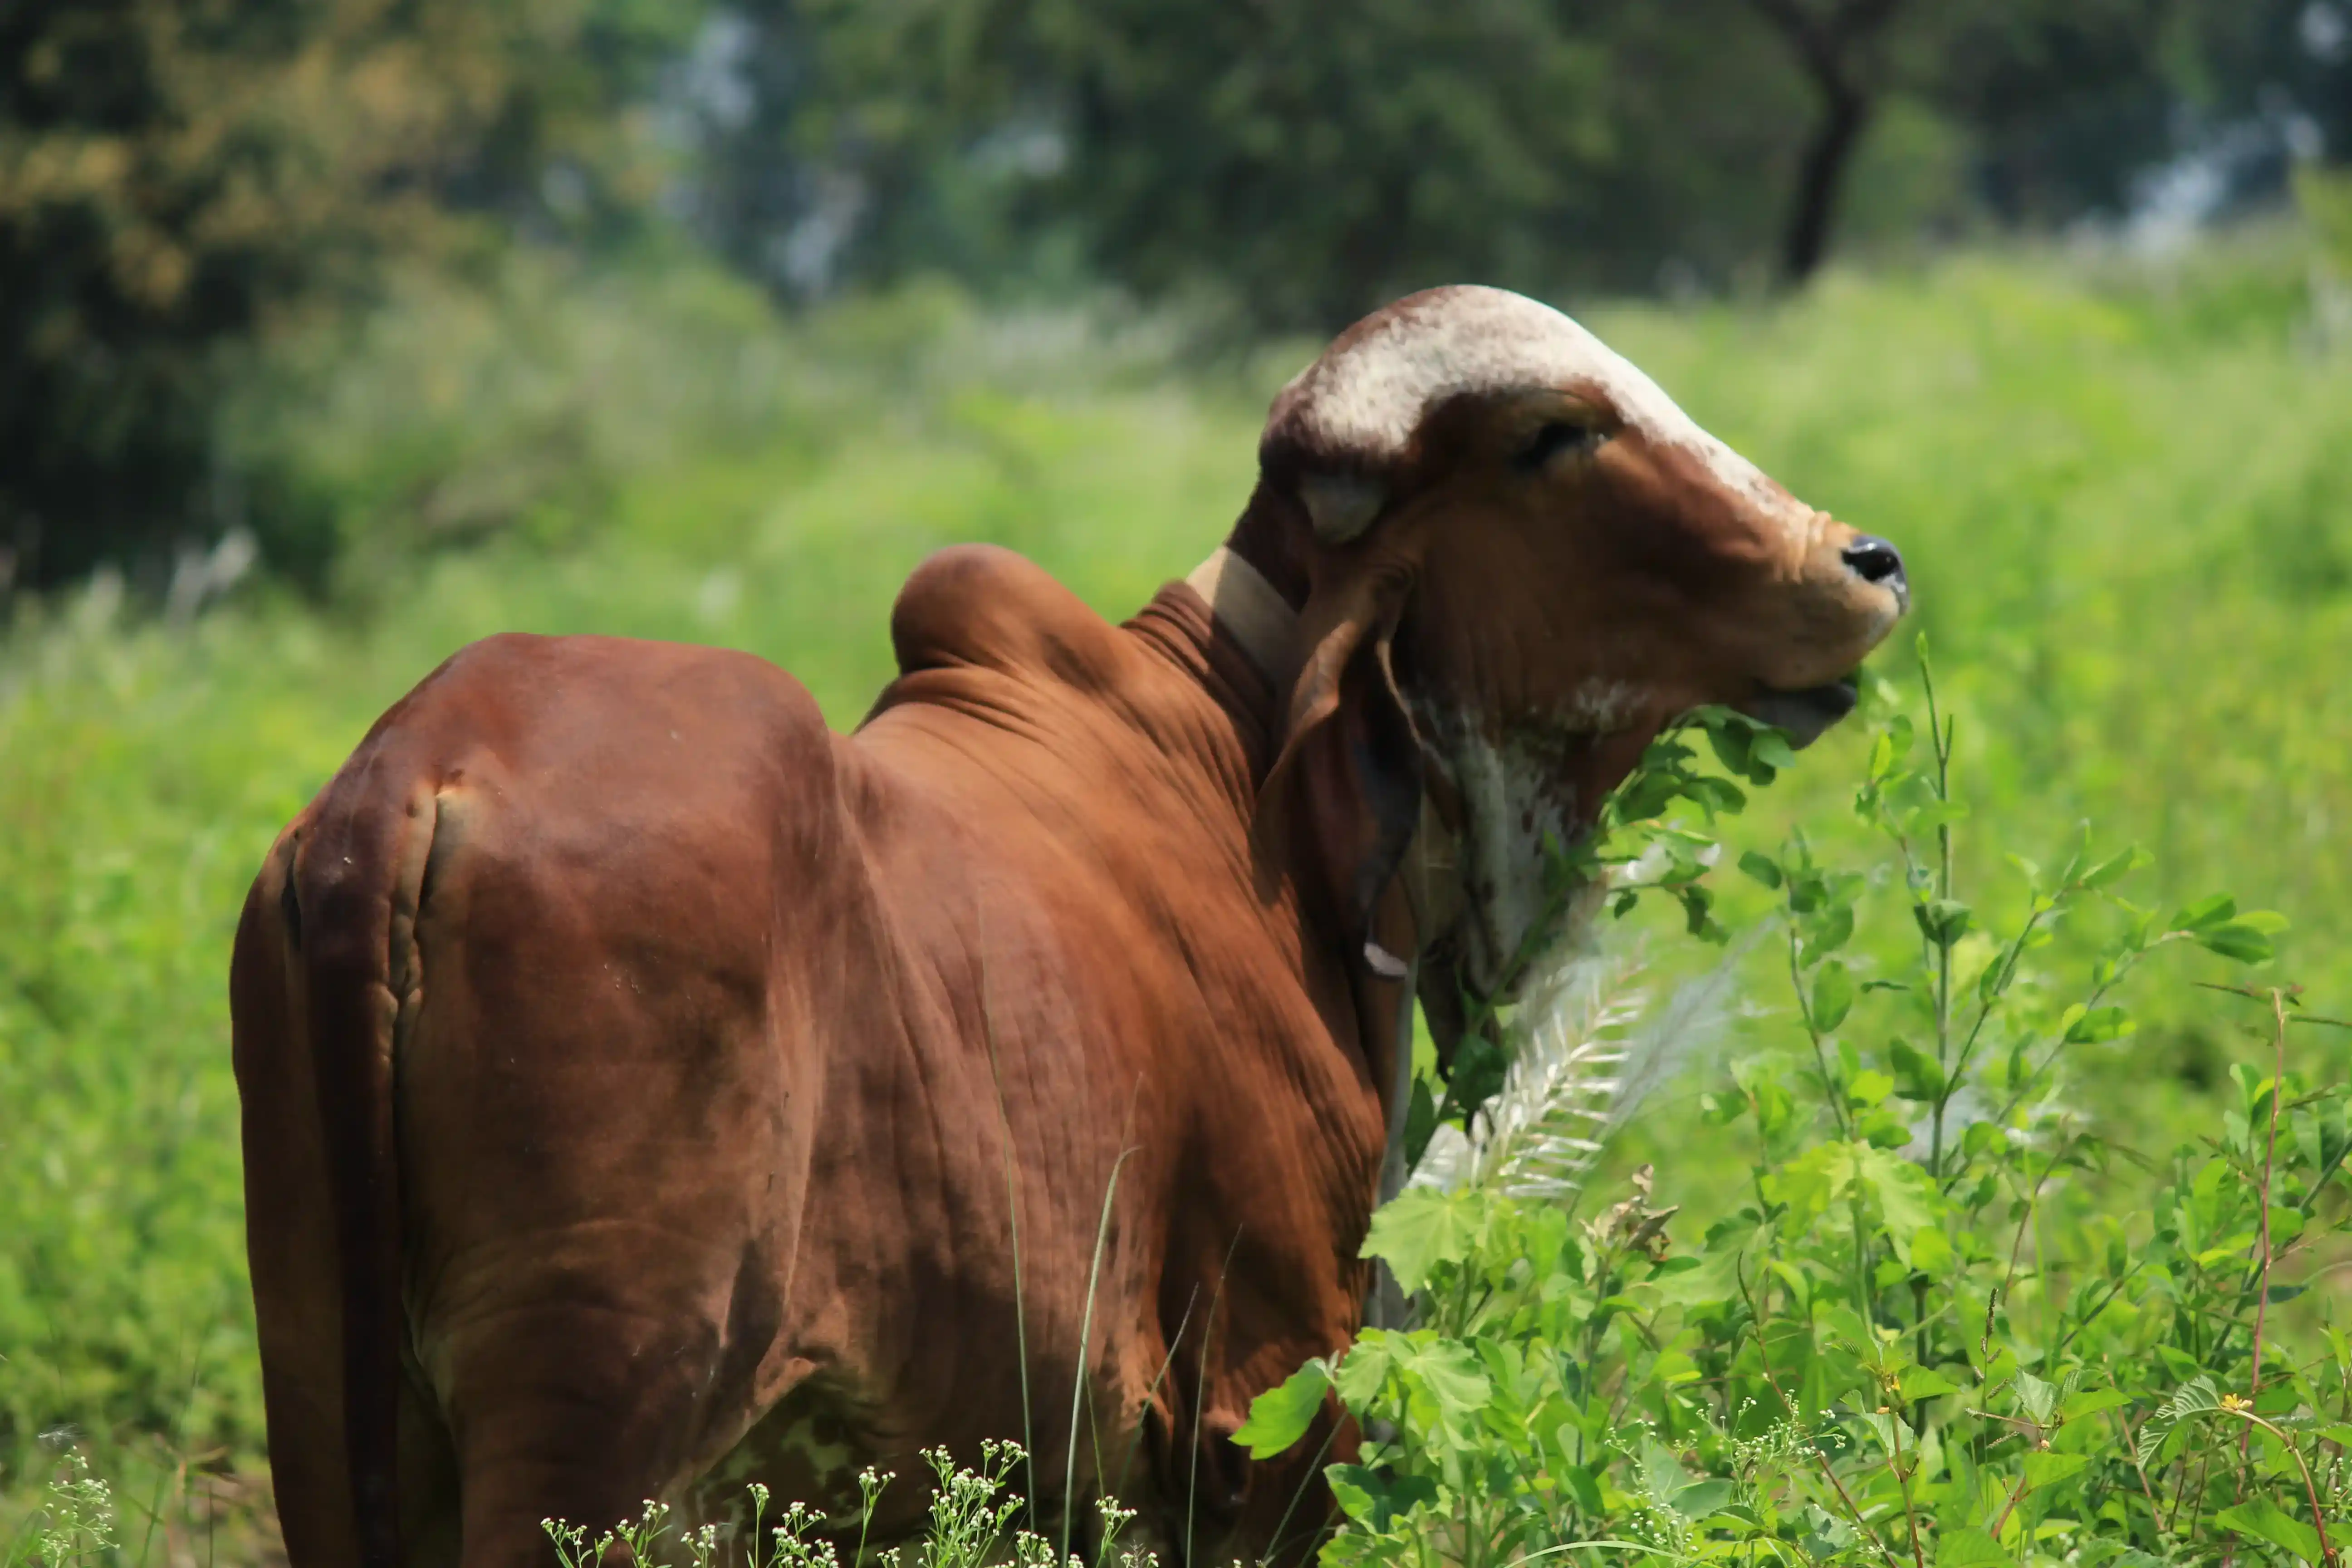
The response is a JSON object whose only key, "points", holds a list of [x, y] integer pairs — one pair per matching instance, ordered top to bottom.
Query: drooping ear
{"points": [[1347, 785]]}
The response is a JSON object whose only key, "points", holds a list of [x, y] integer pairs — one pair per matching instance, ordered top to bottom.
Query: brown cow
{"points": [[643, 1083]]}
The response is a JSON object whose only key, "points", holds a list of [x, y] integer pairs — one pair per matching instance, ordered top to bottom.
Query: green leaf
{"points": [[1892, 745], [1761, 869], [2111, 870], [2205, 912], [1942, 920], [1829, 931], [2237, 940], [1832, 996], [2097, 1025], [1916, 1076], [1867, 1088], [1420, 1122], [1908, 1201], [1418, 1230], [1931, 1250], [1715, 1274], [1447, 1369], [1363, 1372], [1920, 1383], [2038, 1397], [2194, 1398], [2091, 1402], [1279, 1418], [2043, 1468], [1663, 1476], [1701, 1499], [1375, 1502], [2263, 1520], [1970, 1548]]}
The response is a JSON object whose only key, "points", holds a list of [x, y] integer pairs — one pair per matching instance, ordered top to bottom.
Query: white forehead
{"points": [[1366, 396]]}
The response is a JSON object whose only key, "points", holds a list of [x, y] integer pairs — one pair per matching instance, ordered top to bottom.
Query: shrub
{"points": [[1934, 1328]]}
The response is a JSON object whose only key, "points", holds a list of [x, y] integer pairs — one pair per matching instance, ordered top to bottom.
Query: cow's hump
{"points": [[984, 606]]}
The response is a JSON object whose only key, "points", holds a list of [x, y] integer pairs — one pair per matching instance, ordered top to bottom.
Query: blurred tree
{"points": [[1835, 45], [1305, 162], [1310, 162], [176, 175]]}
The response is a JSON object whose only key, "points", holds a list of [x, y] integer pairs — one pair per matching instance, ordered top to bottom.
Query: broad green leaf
{"points": [[1761, 869], [1868, 1087], [1908, 1200], [1418, 1230], [1931, 1250], [1716, 1273], [1448, 1369], [1364, 1370], [1921, 1382], [2038, 1397], [2193, 1397], [2091, 1402], [1280, 1416], [2043, 1468], [1663, 1476], [1356, 1490], [1701, 1499], [1377, 1502], [2263, 1520], [1970, 1548]]}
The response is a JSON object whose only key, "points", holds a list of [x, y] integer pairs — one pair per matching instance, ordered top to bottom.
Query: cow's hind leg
{"points": [[594, 1304], [578, 1412]]}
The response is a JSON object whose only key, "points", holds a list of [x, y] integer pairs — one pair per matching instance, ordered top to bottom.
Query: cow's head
{"points": [[1521, 560]]}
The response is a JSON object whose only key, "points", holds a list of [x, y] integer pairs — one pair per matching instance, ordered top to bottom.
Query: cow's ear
{"points": [[1346, 784]]}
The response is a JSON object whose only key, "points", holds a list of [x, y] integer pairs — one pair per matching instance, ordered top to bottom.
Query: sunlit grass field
{"points": [[2124, 491]]}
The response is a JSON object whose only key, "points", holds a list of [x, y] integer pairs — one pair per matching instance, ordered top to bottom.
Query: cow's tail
{"points": [[356, 891]]}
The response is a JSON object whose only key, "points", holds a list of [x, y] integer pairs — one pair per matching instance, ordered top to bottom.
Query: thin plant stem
{"points": [[1939, 737], [1829, 1090], [1012, 1207], [2263, 1239], [1080, 1379], [1201, 1394], [2131, 1446], [1903, 1484]]}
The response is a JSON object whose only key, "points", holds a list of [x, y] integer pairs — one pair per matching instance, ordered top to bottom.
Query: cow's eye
{"points": [[1556, 436]]}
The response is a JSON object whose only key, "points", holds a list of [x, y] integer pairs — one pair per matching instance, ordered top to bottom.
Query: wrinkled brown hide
{"points": [[725, 1054], [643, 1084]]}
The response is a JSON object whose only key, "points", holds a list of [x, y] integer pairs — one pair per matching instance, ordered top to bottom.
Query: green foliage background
{"points": [[2124, 491]]}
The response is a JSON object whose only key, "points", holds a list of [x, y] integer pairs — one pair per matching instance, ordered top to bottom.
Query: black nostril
{"points": [[1873, 560]]}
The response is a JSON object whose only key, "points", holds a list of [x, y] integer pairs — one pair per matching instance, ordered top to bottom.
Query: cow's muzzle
{"points": [[1805, 714]]}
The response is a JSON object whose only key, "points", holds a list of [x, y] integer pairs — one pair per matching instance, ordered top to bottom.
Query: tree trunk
{"points": [[1835, 51], [1820, 179]]}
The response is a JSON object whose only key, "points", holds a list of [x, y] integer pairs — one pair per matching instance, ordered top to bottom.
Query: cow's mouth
{"points": [[1805, 714]]}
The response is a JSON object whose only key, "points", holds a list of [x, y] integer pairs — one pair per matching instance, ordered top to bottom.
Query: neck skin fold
{"points": [[1248, 606]]}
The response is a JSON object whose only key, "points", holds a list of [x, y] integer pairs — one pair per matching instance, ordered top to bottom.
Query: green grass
{"points": [[2125, 494]]}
